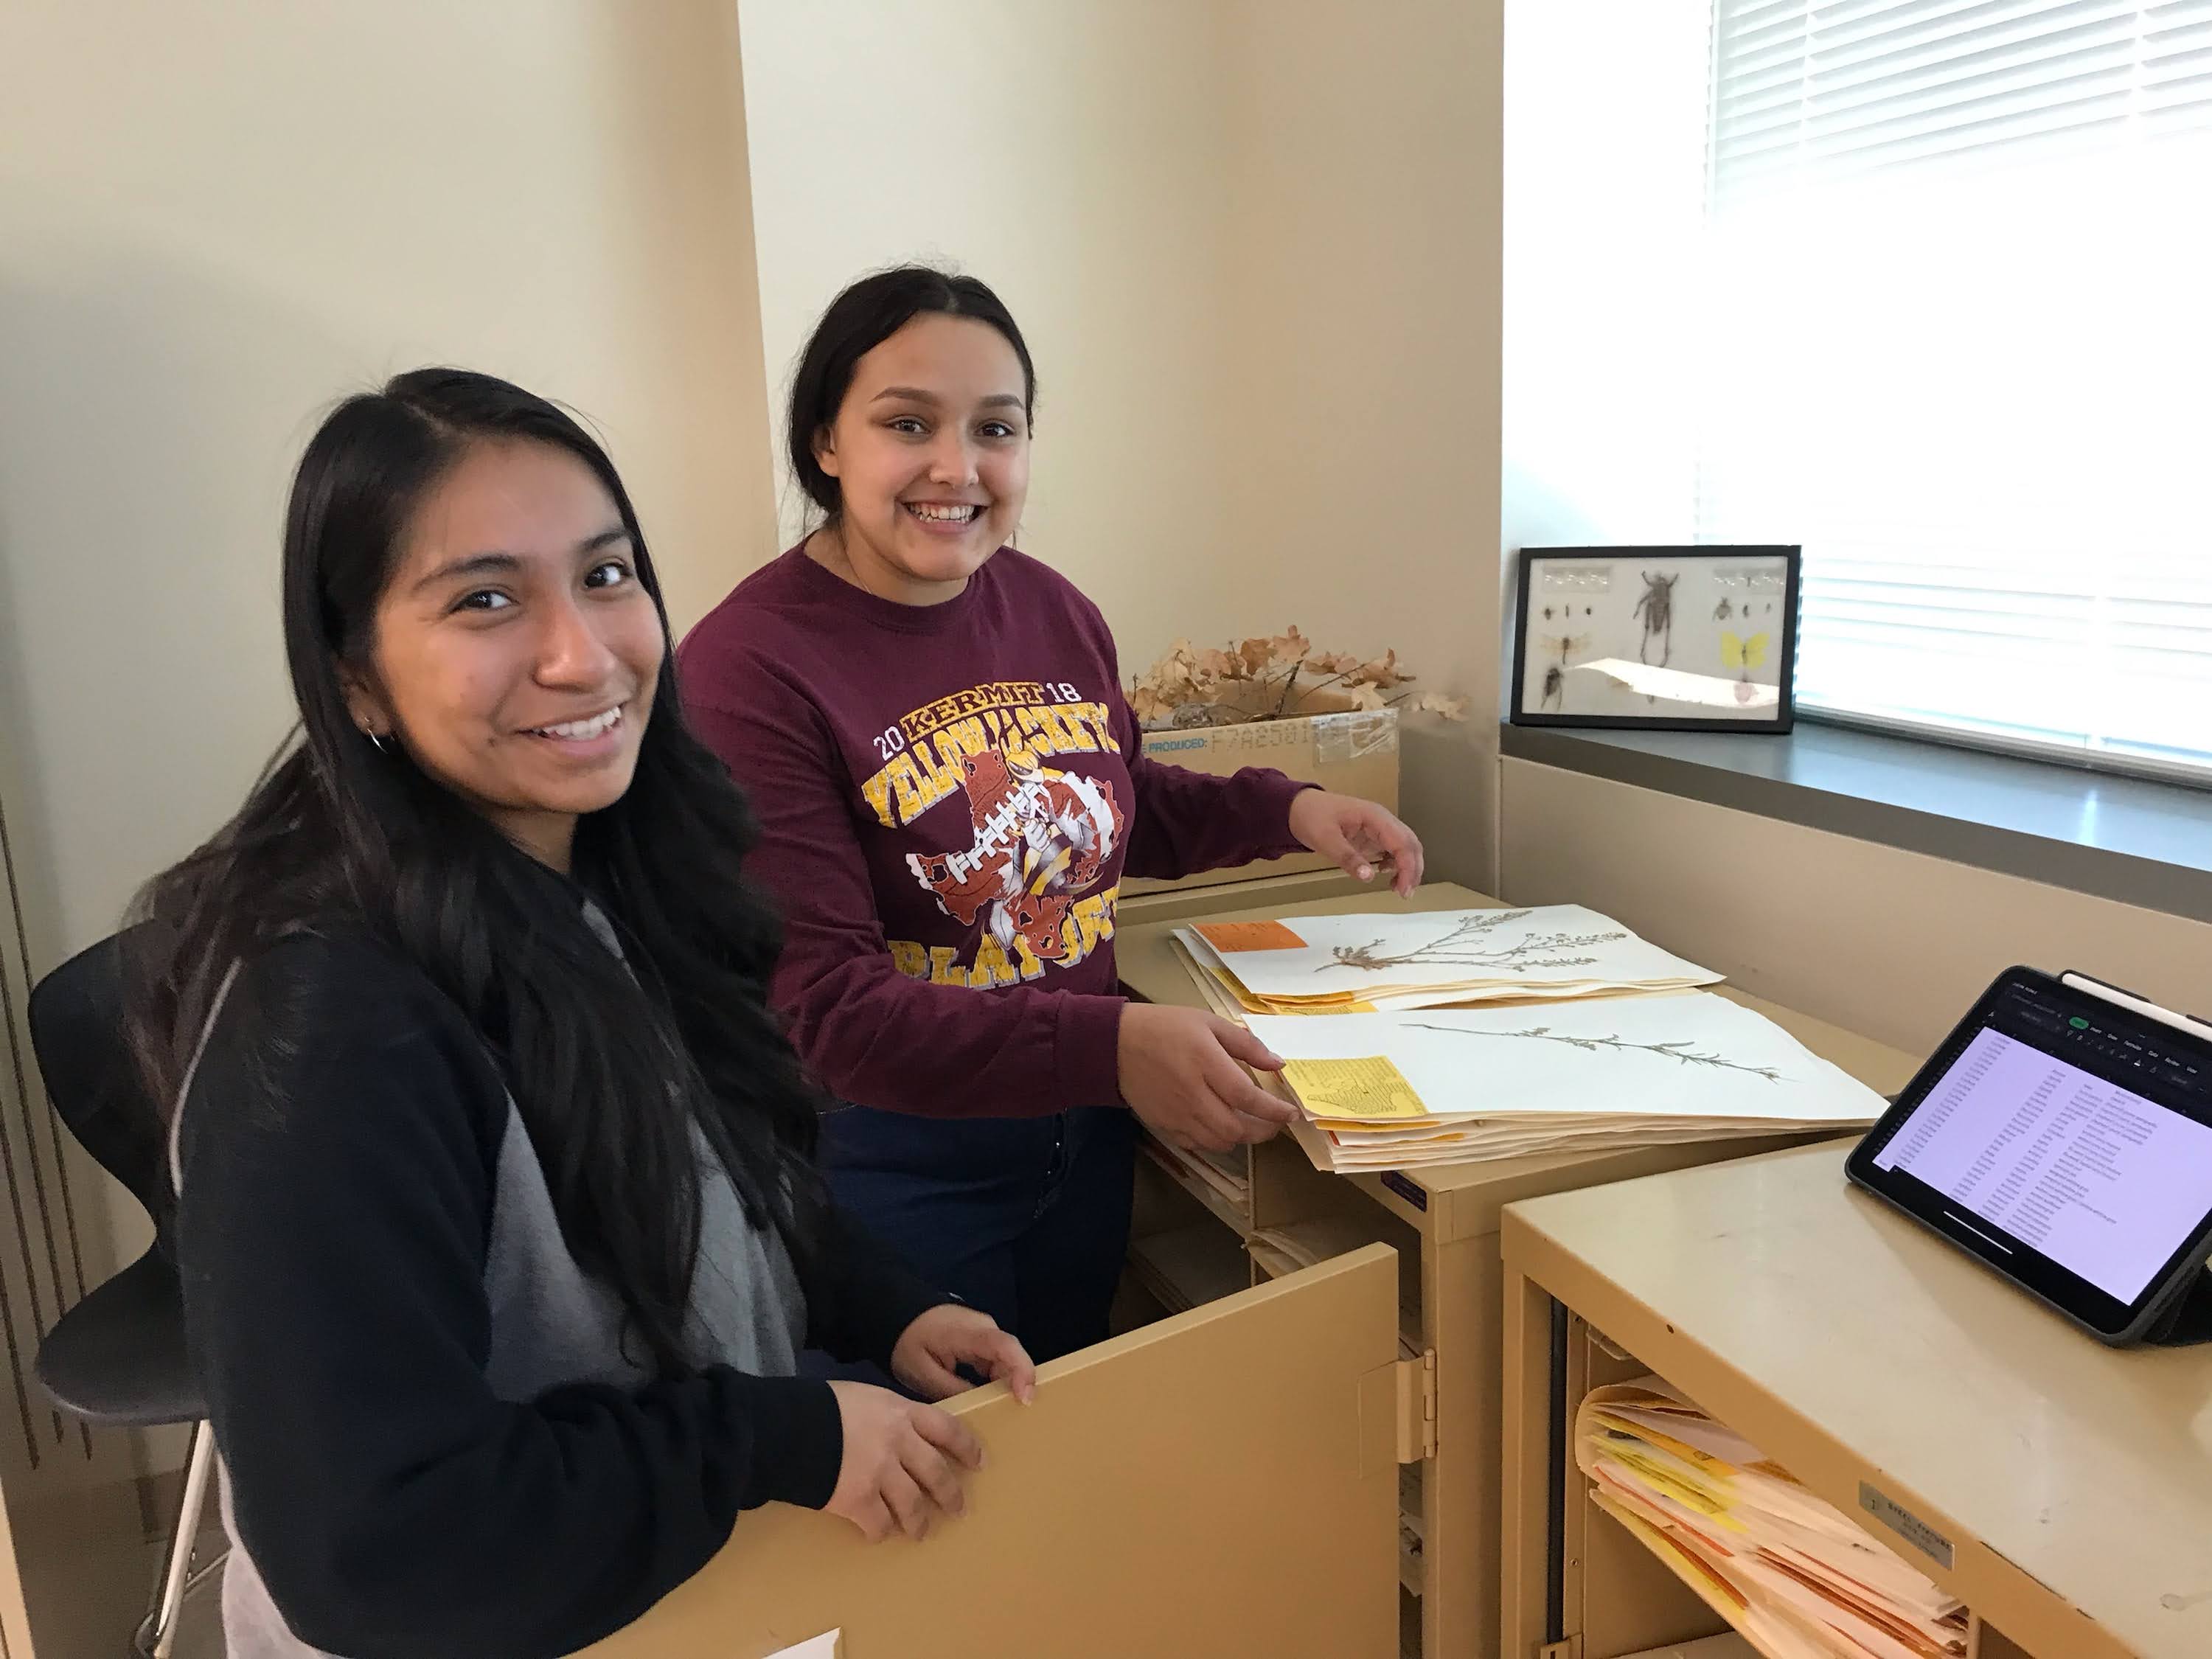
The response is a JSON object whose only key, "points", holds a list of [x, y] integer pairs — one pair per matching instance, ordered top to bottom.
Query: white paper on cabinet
{"points": [[1359, 954], [1696, 1056]]}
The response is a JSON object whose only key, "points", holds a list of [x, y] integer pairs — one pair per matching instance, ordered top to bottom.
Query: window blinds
{"points": [[1958, 342]]}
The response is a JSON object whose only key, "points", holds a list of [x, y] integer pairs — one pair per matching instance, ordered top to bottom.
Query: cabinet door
{"points": [[1224, 1482]]}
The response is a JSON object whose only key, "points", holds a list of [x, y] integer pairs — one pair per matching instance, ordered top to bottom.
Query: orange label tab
{"points": [[1229, 937]]}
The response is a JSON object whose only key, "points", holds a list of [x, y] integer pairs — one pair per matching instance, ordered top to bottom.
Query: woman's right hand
{"points": [[1180, 1074], [903, 1464]]}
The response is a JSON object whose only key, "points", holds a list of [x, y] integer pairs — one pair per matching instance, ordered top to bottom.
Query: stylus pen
{"points": [[2097, 987]]}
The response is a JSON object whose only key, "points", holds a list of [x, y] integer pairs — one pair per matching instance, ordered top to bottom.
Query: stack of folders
{"points": [[1367, 964], [1436, 1049], [1394, 1091], [1787, 1569]]}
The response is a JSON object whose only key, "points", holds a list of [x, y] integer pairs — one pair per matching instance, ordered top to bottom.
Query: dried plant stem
{"points": [[1321, 685], [1460, 949], [1680, 1051]]}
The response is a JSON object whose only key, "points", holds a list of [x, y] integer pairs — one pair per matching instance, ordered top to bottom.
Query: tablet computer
{"points": [[2062, 1135]]}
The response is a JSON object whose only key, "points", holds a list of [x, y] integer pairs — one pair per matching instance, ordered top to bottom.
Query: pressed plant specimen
{"points": [[1466, 946], [1680, 1050]]}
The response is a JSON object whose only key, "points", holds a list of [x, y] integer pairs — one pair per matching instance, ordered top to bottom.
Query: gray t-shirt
{"points": [[552, 1324]]}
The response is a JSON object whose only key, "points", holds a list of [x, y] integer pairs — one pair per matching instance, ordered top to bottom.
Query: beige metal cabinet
{"points": [[1444, 1222], [1222, 1483], [2060, 1489]]}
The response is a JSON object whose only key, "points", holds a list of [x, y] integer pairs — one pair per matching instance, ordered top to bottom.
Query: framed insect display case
{"points": [[1659, 639]]}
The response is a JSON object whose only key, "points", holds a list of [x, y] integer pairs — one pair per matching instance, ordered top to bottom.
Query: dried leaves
{"points": [[1271, 678]]}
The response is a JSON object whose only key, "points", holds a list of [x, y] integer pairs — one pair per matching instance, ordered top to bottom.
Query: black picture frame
{"points": [[1779, 719]]}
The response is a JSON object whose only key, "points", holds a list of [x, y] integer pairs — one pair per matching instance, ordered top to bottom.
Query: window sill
{"points": [[2126, 839]]}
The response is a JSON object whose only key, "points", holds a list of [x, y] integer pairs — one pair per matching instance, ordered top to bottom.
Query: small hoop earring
{"points": [[382, 741]]}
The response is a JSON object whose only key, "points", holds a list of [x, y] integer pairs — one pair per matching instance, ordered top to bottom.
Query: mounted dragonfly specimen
{"points": [[1555, 673]]}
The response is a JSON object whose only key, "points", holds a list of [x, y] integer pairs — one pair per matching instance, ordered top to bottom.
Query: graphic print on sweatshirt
{"points": [[1031, 877]]}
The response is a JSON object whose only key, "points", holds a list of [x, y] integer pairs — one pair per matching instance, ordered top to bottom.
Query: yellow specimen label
{"points": [[1363, 1089]]}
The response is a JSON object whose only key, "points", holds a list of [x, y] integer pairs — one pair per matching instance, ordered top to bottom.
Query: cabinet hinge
{"points": [[1609, 1346], [1417, 1408]]}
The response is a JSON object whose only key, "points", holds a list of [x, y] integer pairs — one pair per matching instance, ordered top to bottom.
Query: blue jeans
{"points": [[1026, 1219]]}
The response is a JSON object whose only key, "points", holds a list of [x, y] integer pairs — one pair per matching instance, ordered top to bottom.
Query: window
{"points": [[1959, 344]]}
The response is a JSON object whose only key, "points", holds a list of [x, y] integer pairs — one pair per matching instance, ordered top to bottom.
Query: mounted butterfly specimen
{"points": [[1744, 655]]}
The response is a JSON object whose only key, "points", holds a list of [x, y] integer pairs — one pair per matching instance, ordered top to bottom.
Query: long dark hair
{"points": [[859, 320], [617, 1064]]}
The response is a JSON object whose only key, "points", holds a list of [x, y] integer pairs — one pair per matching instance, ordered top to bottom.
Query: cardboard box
{"points": [[1353, 752]]}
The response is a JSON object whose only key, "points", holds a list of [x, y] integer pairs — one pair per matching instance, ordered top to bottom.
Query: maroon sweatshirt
{"points": [[949, 797]]}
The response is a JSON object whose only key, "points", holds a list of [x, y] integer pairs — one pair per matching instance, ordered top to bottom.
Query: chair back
{"points": [[94, 1081]]}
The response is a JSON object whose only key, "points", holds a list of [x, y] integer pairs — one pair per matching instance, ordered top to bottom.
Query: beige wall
{"points": [[1070, 155], [214, 219], [1254, 245], [1363, 276], [1891, 944]]}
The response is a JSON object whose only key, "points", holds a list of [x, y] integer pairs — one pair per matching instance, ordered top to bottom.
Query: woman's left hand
{"points": [[1357, 834], [951, 1335]]}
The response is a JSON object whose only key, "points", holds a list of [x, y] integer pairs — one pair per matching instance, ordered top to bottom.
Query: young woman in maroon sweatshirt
{"points": [[950, 788]]}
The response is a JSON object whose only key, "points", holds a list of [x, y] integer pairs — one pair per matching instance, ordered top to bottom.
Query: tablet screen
{"points": [[2077, 1133]]}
